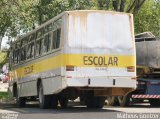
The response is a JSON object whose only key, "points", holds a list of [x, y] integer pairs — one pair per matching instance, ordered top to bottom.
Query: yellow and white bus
{"points": [[86, 54]]}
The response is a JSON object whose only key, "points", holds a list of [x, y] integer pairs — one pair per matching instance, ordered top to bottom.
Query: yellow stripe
{"points": [[79, 60]]}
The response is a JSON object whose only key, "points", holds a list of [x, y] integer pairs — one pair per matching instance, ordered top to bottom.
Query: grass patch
{"points": [[4, 95]]}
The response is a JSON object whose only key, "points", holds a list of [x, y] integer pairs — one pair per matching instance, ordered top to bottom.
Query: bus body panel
{"points": [[100, 47], [80, 62]]}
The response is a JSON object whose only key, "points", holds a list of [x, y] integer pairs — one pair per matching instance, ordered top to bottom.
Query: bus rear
{"points": [[100, 52], [86, 54]]}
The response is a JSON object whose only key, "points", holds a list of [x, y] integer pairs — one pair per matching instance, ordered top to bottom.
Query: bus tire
{"points": [[89, 99], [44, 100], [82, 100], [124, 100], [21, 101], [54, 101], [63, 101], [94, 101], [100, 101], [112, 101]]}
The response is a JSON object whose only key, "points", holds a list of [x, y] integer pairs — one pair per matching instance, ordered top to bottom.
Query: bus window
{"points": [[58, 23], [54, 27], [48, 28], [39, 33], [56, 34], [31, 37], [58, 38], [54, 39], [24, 41], [47, 42], [18, 45], [44, 45], [38, 46], [30, 50], [16, 52], [23, 53], [12, 54], [16, 56], [12, 58]]}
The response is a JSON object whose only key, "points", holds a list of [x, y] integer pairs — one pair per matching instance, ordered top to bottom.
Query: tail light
{"points": [[69, 68], [130, 69], [69, 76], [134, 78]]}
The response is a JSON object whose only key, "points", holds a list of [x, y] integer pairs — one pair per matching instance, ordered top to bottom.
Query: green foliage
{"points": [[47, 9], [20, 16], [5, 18], [23, 18], [148, 18], [3, 58], [4, 95]]}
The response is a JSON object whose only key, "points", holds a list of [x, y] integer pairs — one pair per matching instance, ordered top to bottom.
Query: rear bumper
{"points": [[104, 82]]}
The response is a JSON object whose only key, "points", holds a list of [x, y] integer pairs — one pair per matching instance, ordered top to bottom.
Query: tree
{"points": [[130, 6], [47, 9], [44, 10], [146, 12], [20, 16], [5, 18], [13, 18], [148, 18], [3, 58]]}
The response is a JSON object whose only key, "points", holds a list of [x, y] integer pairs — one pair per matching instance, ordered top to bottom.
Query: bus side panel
{"points": [[51, 84], [54, 84], [27, 88]]}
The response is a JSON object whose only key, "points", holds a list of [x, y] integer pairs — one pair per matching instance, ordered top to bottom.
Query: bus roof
{"points": [[100, 11], [68, 12]]}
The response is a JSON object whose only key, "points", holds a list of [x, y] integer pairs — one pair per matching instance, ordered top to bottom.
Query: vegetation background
{"points": [[21, 16]]}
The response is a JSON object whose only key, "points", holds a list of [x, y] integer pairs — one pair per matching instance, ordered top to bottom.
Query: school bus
{"points": [[87, 54]]}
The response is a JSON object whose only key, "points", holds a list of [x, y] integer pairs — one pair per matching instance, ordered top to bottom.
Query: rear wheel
{"points": [[44, 100], [82, 100], [124, 100], [21, 101], [54, 101], [63, 101], [94, 101], [112, 101]]}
